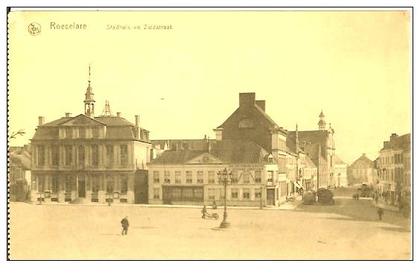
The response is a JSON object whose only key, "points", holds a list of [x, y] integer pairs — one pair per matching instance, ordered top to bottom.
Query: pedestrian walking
{"points": [[376, 198], [214, 204], [204, 212], [380, 213], [124, 224]]}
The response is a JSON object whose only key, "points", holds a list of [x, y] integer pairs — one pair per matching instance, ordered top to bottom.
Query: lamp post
{"points": [[224, 176]]}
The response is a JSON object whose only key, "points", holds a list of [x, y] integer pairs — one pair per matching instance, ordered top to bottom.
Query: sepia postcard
{"points": [[209, 134]]}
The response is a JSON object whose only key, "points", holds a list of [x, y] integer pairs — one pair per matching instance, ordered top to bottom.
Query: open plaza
{"points": [[350, 229]]}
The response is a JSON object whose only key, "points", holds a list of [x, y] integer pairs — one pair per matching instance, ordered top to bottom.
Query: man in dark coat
{"points": [[380, 213], [124, 224]]}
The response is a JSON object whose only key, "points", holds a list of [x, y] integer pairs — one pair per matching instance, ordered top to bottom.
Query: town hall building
{"points": [[89, 159]]}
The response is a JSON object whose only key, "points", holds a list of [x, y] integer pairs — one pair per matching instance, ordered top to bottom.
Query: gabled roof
{"points": [[257, 113], [81, 120], [113, 121], [117, 127], [308, 137], [399, 143], [21, 159], [338, 160], [362, 162]]}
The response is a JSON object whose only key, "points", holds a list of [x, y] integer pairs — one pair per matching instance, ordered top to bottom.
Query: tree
{"points": [[13, 135]]}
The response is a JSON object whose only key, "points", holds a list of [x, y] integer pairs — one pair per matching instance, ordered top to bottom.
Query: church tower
{"points": [[89, 101], [321, 123]]}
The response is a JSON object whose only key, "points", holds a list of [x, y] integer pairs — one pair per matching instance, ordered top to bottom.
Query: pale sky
{"points": [[355, 66]]}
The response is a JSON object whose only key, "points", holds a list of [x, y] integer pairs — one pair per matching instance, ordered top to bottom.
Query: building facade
{"points": [[319, 147], [88, 158], [394, 169], [362, 171], [185, 176], [20, 178]]}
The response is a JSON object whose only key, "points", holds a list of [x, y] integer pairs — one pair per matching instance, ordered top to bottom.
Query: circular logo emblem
{"points": [[34, 28]]}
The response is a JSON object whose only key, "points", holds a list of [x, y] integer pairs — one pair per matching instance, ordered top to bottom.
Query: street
{"points": [[348, 230]]}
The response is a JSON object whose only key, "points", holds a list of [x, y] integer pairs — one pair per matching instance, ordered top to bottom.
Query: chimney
{"points": [[246, 99], [261, 104], [68, 114], [118, 114], [137, 118], [41, 120], [393, 136]]}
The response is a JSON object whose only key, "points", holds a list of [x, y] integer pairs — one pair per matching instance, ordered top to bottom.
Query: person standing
{"points": [[204, 212], [380, 213], [124, 224]]}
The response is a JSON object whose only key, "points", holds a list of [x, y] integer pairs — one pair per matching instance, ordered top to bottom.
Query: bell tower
{"points": [[89, 101], [321, 123]]}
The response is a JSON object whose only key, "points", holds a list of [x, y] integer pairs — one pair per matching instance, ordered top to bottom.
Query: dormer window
{"points": [[246, 123]]}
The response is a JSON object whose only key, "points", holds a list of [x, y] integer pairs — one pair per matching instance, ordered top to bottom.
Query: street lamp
{"points": [[224, 176]]}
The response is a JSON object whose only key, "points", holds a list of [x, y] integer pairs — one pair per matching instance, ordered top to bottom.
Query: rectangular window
{"points": [[69, 132], [82, 132], [95, 132], [81, 153], [69, 154], [109, 154], [124, 154], [41, 155], [55, 155], [95, 155], [188, 175], [156, 176], [234, 176], [257, 176], [270, 176], [167, 177], [178, 177], [200, 177], [211, 177], [245, 177], [41, 183], [54, 184], [95, 184], [109, 184], [124, 184], [68, 185], [156, 193], [211, 193], [257, 193], [188, 194], [234, 194], [246, 194]]}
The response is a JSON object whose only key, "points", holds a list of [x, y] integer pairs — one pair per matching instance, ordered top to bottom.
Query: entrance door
{"points": [[82, 187], [270, 197]]}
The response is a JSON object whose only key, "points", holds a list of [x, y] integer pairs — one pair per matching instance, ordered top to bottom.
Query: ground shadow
{"points": [[358, 210], [144, 227], [395, 229]]}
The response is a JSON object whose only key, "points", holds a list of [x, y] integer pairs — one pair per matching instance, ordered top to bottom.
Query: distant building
{"points": [[319, 146], [88, 158], [394, 168], [362, 171], [19, 172], [340, 172]]}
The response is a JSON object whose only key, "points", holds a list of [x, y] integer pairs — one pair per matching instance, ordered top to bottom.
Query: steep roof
{"points": [[117, 127], [308, 137], [398, 143], [22, 159], [338, 160], [362, 162]]}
